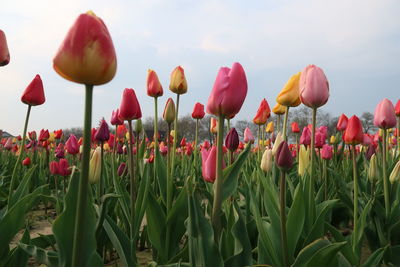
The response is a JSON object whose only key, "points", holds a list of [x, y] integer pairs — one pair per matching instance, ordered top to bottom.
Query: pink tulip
{"points": [[4, 54], [314, 87], [229, 91], [384, 116], [115, 118], [248, 136], [305, 138], [72, 145], [326, 152], [209, 164]]}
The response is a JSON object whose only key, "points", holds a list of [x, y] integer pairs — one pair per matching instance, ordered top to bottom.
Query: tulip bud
{"points": [[4, 54], [87, 54], [178, 83], [154, 87], [314, 87], [229, 91], [34, 93], [290, 95], [129, 108], [279, 109], [169, 111], [198, 111], [263, 113], [385, 116], [115, 118], [342, 123], [213, 125], [139, 126], [270, 127], [295, 127], [354, 131], [103, 132], [58, 134], [32, 135], [44, 135], [248, 136], [305, 138], [232, 140], [278, 141], [183, 142], [72, 145], [60, 151], [326, 152], [283, 157], [304, 160], [26, 161], [266, 161], [95, 166], [208, 166], [54, 167], [63, 167], [121, 169], [373, 170], [395, 174]]}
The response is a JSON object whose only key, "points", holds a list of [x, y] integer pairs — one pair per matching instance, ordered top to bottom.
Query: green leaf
{"points": [[161, 172], [231, 174], [22, 188], [141, 200], [295, 221], [156, 222], [362, 224], [64, 228], [120, 242], [202, 248], [347, 249], [42, 256], [18, 257], [375, 258]]}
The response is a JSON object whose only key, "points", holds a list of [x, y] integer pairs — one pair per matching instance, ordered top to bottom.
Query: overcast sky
{"points": [[356, 43]]}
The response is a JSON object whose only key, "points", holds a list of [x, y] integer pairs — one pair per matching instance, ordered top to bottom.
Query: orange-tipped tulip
{"points": [[4, 54], [87, 54], [178, 83], [154, 87], [34, 93], [290, 94], [279, 109], [169, 111], [263, 113], [213, 125], [270, 127], [354, 132]]}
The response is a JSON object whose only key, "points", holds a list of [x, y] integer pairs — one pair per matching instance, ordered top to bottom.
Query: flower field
{"points": [[283, 196]]}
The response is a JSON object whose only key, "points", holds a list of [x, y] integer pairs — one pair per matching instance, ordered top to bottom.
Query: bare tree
{"points": [[367, 120]]}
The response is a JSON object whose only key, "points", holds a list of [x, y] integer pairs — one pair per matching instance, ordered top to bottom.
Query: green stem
{"points": [[278, 123], [285, 124], [175, 133], [155, 135], [398, 135], [195, 144], [259, 145], [21, 152], [312, 166], [101, 171], [132, 174], [325, 174], [385, 178], [169, 190], [355, 196], [282, 200], [216, 212], [78, 249]]}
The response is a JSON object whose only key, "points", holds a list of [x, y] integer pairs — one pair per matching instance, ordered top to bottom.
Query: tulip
{"points": [[4, 54], [87, 54], [178, 83], [154, 87], [314, 87], [229, 92], [34, 93], [289, 96], [129, 108], [397, 108], [279, 109], [169, 111], [198, 111], [263, 113], [385, 116], [115, 118], [342, 123], [213, 125], [270, 127], [295, 127], [354, 131], [102, 132], [58, 134], [32, 135], [44, 135], [248, 136], [305, 138], [319, 139], [232, 140], [332, 140], [278, 141], [183, 142], [9, 144], [72, 145], [60, 151], [326, 152], [304, 160], [26, 161], [266, 161], [208, 165], [53, 166], [95, 166], [373, 169], [395, 174]]}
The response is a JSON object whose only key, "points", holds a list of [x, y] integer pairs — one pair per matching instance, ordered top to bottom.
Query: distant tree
{"points": [[367, 120]]}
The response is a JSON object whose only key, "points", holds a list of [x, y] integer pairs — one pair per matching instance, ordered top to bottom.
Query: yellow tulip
{"points": [[178, 83], [290, 94], [279, 109], [270, 127], [51, 137], [332, 140], [278, 141], [304, 160], [266, 161], [95, 166], [372, 170], [395, 174]]}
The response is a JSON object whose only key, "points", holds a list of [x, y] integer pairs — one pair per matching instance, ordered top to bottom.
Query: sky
{"points": [[356, 43]]}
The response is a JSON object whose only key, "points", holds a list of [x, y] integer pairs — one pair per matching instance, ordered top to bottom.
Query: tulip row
{"points": [[233, 203]]}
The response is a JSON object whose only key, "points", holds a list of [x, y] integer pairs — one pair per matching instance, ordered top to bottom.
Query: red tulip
{"points": [[4, 54], [87, 54], [154, 87], [314, 87], [229, 91], [34, 93], [129, 108], [397, 108], [198, 111], [263, 113], [384, 116], [115, 118], [342, 123], [295, 127], [121, 131], [354, 131], [103, 132], [58, 134], [32, 135], [44, 135], [305, 138], [232, 140], [183, 141], [72, 145], [59, 151], [283, 156], [26, 161], [53, 166], [63, 167], [121, 169]]}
